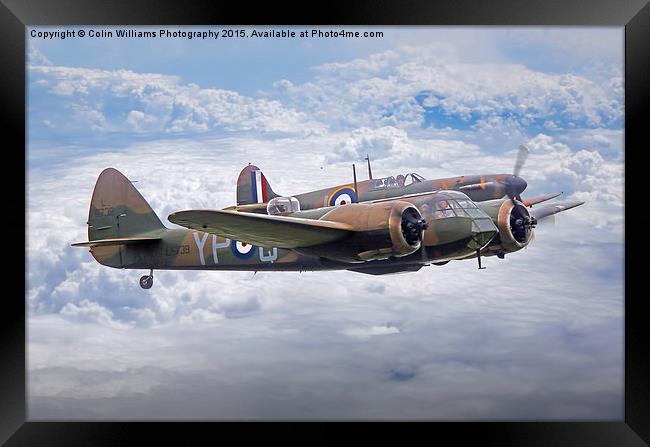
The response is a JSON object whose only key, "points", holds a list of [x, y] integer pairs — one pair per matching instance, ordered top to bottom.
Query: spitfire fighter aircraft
{"points": [[253, 191], [377, 226]]}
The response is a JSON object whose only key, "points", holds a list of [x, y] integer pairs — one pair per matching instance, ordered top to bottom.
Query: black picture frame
{"points": [[15, 15]]}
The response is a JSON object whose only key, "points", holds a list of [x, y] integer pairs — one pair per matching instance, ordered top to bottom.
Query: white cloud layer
{"points": [[419, 85], [424, 87], [128, 102], [441, 329], [538, 335]]}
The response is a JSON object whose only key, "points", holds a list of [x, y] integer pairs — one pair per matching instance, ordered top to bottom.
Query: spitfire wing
{"points": [[550, 209], [262, 229]]}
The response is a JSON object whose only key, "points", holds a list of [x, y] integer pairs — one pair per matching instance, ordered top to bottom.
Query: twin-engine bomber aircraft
{"points": [[377, 226]]}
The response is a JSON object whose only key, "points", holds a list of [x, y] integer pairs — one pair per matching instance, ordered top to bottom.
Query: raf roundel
{"points": [[342, 196], [242, 250]]}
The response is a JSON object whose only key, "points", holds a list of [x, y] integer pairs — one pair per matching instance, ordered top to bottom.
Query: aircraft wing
{"points": [[535, 201], [259, 208], [548, 210], [262, 229], [118, 241], [387, 269]]}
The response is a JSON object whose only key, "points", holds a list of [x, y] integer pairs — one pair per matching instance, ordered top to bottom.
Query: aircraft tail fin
{"points": [[252, 187], [118, 210]]}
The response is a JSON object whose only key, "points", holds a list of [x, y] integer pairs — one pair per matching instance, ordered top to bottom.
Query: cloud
{"points": [[36, 57], [416, 86], [411, 87], [122, 101], [380, 142], [583, 175], [59, 274], [85, 311], [365, 333], [537, 335], [391, 336], [507, 355]]}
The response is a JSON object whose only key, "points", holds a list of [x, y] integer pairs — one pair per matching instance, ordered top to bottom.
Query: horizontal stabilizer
{"points": [[550, 209], [262, 229], [118, 241]]}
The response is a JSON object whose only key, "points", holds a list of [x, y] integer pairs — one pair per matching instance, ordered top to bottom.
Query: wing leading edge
{"points": [[553, 208], [262, 229], [118, 241]]}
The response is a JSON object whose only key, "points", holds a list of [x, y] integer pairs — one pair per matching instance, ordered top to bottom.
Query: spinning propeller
{"points": [[514, 184], [520, 221]]}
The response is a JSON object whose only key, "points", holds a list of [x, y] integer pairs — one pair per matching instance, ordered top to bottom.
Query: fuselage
{"points": [[479, 188], [452, 233]]}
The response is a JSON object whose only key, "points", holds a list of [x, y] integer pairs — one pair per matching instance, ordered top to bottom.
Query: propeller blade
{"points": [[522, 155], [514, 184], [514, 187], [530, 241], [425, 258]]}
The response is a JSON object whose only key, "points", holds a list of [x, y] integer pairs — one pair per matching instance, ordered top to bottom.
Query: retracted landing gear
{"points": [[146, 281]]}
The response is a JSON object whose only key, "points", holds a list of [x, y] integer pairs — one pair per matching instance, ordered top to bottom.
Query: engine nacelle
{"points": [[515, 226], [406, 227], [384, 230]]}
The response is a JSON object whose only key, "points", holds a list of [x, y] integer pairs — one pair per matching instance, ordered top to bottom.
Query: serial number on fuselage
{"points": [[178, 250]]}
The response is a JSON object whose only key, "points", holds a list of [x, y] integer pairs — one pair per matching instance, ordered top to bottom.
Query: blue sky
{"points": [[250, 65], [245, 66], [538, 335]]}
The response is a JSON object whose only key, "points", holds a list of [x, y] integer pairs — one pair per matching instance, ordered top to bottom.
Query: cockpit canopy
{"points": [[396, 182], [455, 203], [282, 205]]}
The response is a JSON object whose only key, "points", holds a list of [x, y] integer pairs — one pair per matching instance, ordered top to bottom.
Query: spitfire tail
{"points": [[252, 187], [118, 210]]}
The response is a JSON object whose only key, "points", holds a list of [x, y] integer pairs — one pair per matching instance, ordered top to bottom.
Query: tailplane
{"points": [[252, 187], [118, 210], [119, 217]]}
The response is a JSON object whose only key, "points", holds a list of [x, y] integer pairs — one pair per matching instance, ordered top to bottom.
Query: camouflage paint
{"points": [[477, 188], [117, 210]]}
